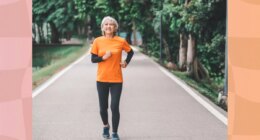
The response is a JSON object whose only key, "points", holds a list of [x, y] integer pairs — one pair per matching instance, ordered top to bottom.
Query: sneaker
{"points": [[106, 134], [115, 136]]}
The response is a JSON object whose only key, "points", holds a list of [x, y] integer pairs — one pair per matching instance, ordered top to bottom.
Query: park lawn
{"points": [[62, 59]]}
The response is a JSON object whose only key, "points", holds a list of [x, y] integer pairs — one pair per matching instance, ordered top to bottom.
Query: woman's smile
{"points": [[109, 27]]}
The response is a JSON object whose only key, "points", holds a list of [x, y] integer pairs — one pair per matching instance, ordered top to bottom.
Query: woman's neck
{"points": [[109, 35]]}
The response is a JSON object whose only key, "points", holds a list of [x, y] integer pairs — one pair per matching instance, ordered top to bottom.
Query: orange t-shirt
{"points": [[110, 70]]}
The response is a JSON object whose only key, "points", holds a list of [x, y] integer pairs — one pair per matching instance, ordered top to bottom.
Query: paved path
{"points": [[153, 107]]}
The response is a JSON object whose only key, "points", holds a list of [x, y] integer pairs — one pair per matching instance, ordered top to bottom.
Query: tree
{"points": [[58, 14]]}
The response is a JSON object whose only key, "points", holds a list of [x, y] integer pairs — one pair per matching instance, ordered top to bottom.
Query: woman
{"points": [[107, 52]]}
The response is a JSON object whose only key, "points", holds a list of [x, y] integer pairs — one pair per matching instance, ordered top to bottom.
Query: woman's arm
{"points": [[129, 56], [95, 58]]}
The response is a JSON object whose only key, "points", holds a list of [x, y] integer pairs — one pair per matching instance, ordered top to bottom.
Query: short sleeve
{"points": [[126, 46], [94, 48]]}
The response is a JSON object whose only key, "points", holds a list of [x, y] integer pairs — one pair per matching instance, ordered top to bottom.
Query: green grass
{"points": [[59, 60], [207, 89]]}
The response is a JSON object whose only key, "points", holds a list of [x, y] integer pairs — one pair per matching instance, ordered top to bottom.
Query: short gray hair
{"points": [[110, 19]]}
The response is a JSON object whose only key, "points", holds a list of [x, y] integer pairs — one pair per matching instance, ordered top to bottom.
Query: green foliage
{"points": [[81, 7], [59, 13], [63, 16], [204, 19], [153, 47], [212, 55]]}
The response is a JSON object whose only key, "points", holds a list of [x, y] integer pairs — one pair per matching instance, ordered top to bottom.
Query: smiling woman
{"points": [[109, 26], [107, 52]]}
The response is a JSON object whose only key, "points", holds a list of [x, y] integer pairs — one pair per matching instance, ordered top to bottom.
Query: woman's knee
{"points": [[103, 108], [115, 109]]}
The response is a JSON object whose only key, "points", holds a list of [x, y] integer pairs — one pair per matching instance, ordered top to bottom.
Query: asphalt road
{"points": [[153, 107]]}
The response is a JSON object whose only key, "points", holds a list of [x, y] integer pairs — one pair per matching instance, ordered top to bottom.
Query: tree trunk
{"points": [[187, 2], [48, 30], [78, 30], [83, 30], [89, 32], [34, 33], [54, 33], [68, 35], [134, 35], [41, 36], [128, 36], [146, 36], [144, 45], [167, 51], [183, 52], [191, 55], [170, 64], [194, 68], [200, 73]]}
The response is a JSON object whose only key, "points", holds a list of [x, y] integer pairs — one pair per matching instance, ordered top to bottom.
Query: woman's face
{"points": [[109, 27]]}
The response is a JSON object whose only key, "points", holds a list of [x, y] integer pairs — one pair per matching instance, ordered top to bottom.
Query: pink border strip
{"points": [[15, 70]]}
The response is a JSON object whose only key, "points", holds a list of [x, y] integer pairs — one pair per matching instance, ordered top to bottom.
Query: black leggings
{"points": [[103, 93]]}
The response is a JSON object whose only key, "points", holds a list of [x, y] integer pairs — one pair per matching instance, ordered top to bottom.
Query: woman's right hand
{"points": [[107, 55]]}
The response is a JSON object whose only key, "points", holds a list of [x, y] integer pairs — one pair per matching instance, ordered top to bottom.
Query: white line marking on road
{"points": [[42, 87], [211, 109]]}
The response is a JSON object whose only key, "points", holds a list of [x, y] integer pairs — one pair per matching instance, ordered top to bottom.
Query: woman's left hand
{"points": [[123, 64]]}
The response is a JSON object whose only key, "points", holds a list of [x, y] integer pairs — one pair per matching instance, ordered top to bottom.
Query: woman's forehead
{"points": [[109, 21]]}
